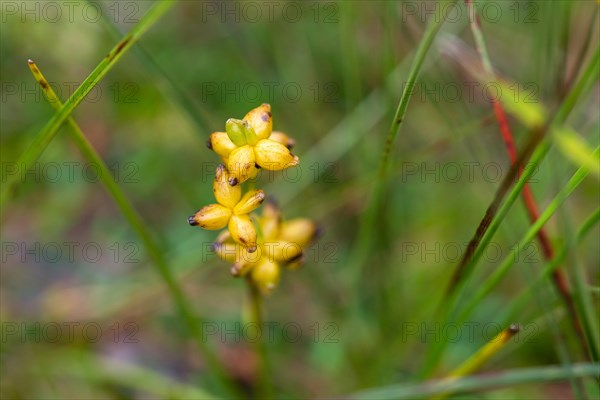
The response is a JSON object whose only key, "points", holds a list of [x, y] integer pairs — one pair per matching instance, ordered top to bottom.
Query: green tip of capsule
{"points": [[235, 131], [249, 133]]}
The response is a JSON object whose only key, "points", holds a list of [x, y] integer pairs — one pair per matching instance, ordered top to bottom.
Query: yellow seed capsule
{"points": [[260, 120], [282, 138], [220, 143], [273, 155], [240, 164], [253, 172], [225, 194], [249, 202], [213, 216], [270, 221], [242, 231], [301, 231], [223, 237], [227, 251], [284, 252], [246, 261], [240, 268], [265, 275]]}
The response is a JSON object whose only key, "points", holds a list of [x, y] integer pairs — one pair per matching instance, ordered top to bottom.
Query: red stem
{"points": [[558, 275]]}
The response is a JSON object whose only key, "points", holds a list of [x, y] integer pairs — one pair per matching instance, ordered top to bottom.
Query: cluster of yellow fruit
{"points": [[246, 146]]}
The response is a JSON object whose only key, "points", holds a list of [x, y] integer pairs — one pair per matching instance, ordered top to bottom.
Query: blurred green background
{"points": [[333, 73]]}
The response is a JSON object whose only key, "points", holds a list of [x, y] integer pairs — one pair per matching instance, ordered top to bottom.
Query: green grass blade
{"points": [[426, 42], [588, 77], [566, 107], [197, 113], [531, 115], [43, 139], [576, 149], [538, 155], [495, 213], [365, 234], [501, 270], [583, 298], [523, 299], [451, 304], [193, 321], [481, 356], [83, 365], [482, 383]]}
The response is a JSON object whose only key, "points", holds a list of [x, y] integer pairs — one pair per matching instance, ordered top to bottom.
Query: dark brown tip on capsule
{"points": [[209, 144], [257, 166], [232, 181], [192, 221], [319, 231], [251, 249], [296, 257]]}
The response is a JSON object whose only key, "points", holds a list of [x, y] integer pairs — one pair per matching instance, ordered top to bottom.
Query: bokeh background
{"points": [[84, 313]]}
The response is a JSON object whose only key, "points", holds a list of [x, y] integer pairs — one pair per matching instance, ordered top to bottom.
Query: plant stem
{"points": [[256, 316]]}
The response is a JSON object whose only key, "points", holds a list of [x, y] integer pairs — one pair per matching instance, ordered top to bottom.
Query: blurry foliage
{"points": [[151, 119]]}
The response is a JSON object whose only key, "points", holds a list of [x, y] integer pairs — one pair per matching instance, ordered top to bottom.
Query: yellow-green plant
{"points": [[246, 146]]}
